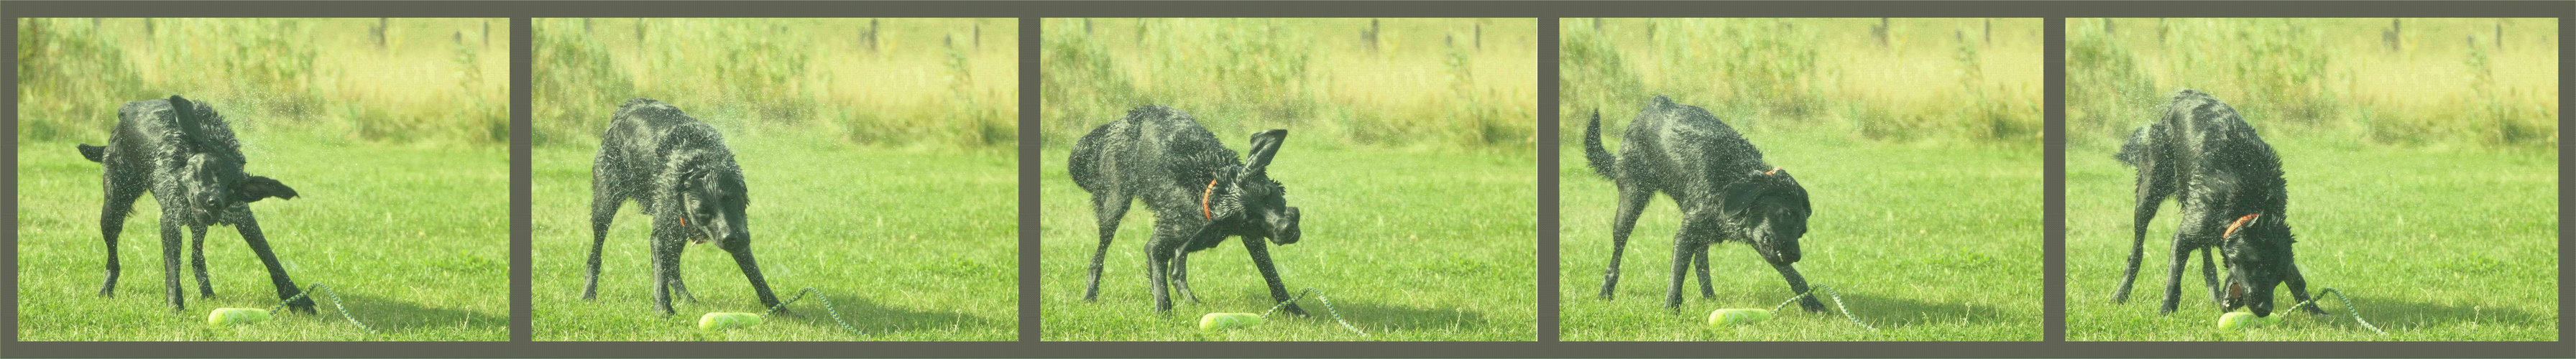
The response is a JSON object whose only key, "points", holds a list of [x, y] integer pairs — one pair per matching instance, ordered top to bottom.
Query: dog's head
{"points": [[212, 167], [713, 199], [1260, 203], [1770, 210], [2257, 248]]}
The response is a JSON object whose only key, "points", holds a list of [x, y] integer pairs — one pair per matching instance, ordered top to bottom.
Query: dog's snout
{"points": [[1283, 230]]}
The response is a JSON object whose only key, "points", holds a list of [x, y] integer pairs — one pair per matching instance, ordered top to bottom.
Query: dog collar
{"points": [[1774, 171], [1203, 201], [2240, 222]]}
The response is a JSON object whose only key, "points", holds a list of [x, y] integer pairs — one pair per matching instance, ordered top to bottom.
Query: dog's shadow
{"points": [[1891, 312], [388, 315], [2395, 316], [1373, 317], [882, 319]]}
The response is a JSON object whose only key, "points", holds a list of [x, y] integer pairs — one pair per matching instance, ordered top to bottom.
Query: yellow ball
{"points": [[236, 316], [1737, 316], [2243, 320], [722, 321], [1223, 321]]}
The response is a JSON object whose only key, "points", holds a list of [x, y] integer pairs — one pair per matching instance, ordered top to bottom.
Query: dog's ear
{"points": [[1264, 146], [256, 188], [1740, 195]]}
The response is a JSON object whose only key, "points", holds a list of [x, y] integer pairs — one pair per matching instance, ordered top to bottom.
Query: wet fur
{"points": [[185, 155], [678, 171], [2228, 181], [1724, 189], [1199, 192]]}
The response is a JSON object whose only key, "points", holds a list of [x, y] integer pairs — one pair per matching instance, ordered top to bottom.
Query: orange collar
{"points": [[1203, 200], [2240, 222]]}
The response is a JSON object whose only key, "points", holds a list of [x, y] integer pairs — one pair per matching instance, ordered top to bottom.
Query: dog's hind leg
{"points": [[2153, 186], [1632, 200], [1109, 207], [603, 210], [111, 222], [248, 226], [170, 246], [1683, 248], [197, 260], [666, 261], [1699, 261], [1158, 263], [1270, 273], [1181, 276], [2173, 276]]}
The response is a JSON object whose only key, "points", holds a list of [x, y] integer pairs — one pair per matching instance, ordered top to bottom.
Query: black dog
{"points": [[185, 154], [655, 154], [1725, 191], [1199, 192], [2233, 199]]}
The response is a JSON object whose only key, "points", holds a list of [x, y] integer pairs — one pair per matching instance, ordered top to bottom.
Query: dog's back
{"points": [[152, 127], [639, 140], [1685, 140], [2202, 143], [1153, 144]]}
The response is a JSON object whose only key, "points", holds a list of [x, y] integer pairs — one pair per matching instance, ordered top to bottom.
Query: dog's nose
{"points": [[1285, 232]]}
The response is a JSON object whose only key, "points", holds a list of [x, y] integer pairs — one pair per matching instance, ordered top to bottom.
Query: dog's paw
{"points": [[301, 305]]}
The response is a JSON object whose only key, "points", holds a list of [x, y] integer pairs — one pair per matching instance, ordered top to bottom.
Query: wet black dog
{"points": [[186, 156], [679, 172], [1725, 191], [1199, 192], [2233, 200]]}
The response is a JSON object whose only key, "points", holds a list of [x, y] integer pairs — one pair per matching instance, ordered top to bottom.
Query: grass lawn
{"points": [[416, 242], [1923, 243], [910, 246], [1408, 246], [2433, 246]]}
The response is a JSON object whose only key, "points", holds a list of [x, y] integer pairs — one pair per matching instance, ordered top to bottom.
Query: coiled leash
{"points": [[1829, 292], [827, 308], [2347, 308], [234, 316]]}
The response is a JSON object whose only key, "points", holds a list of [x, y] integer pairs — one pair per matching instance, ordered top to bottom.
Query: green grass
{"points": [[1969, 81], [2430, 83], [1448, 84], [415, 240], [1925, 243], [911, 246], [2433, 246], [1409, 247]]}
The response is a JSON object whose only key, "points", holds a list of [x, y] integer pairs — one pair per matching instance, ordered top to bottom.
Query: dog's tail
{"points": [[2135, 149], [93, 153], [1594, 153], [1081, 165]]}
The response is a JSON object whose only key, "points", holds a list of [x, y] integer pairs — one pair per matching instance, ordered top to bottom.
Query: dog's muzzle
{"points": [[1283, 230]]}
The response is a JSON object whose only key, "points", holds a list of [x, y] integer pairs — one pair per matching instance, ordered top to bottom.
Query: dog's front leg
{"points": [[1631, 201], [248, 226], [668, 241], [1683, 246], [741, 250], [1158, 260], [197, 261], [1699, 261], [1270, 273], [1181, 275], [2173, 276], [2209, 277], [1798, 283], [2299, 288]]}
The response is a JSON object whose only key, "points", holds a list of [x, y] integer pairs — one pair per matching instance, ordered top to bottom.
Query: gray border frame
{"points": [[1546, 11]]}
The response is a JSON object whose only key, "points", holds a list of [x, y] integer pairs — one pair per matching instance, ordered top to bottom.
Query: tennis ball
{"points": [[234, 316], [1737, 316], [722, 320], [2243, 320], [1223, 321]]}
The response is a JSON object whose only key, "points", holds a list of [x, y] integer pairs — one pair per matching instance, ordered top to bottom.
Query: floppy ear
{"points": [[1264, 145], [256, 188], [1740, 195]]}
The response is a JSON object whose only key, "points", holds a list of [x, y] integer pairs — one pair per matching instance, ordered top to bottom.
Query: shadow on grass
{"points": [[1887, 312], [2396, 315], [392, 316], [1378, 317], [873, 319]]}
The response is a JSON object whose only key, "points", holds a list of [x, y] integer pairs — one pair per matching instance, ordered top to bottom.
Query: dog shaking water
{"points": [[185, 155], [678, 171], [1725, 191], [1199, 192], [2233, 199]]}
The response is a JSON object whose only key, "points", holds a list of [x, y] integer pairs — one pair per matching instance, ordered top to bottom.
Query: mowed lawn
{"points": [[415, 241], [1923, 243], [910, 246], [1408, 246], [2432, 246]]}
